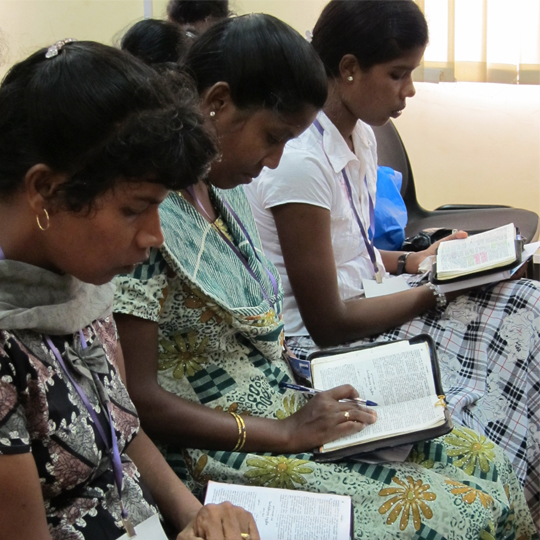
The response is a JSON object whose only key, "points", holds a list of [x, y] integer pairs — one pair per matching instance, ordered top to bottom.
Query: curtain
{"points": [[482, 41]]}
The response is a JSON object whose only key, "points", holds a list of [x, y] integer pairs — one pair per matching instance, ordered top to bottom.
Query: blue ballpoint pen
{"points": [[313, 391]]}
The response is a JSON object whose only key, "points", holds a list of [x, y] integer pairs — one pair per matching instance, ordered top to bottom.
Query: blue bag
{"points": [[390, 210]]}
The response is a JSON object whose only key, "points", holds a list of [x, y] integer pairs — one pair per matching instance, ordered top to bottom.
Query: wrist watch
{"points": [[401, 262]]}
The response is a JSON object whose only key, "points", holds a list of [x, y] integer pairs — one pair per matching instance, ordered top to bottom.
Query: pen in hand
{"points": [[313, 391]]}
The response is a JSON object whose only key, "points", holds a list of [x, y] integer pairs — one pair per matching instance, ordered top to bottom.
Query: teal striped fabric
{"points": [[202, 256]]}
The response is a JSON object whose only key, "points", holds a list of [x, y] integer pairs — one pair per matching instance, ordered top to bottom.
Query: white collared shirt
{"points": [[310, 173]]}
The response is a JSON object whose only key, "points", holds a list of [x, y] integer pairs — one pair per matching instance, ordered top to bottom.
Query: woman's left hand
{"points": [[415, 259], [221, 522]]}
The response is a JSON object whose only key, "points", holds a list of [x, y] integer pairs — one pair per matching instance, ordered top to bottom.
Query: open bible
{"points": [[479, 259], [402, 377], [283, 514]]}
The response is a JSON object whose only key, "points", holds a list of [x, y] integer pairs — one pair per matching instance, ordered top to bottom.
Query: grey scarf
{"points": [[32, 298]]}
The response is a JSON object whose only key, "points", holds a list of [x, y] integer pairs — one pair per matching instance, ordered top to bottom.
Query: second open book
{"points": [[483, 258], [402, 377]]}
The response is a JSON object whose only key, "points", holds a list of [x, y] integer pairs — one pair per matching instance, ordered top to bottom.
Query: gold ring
{"points": [[347, 415], [245, 536]]}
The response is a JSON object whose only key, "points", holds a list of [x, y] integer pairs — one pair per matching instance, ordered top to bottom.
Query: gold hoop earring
{"points": [[48, 221]]}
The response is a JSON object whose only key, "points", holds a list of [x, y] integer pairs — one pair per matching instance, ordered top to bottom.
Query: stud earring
{"points": [[350, 78], [212, 114], [48, 221]]}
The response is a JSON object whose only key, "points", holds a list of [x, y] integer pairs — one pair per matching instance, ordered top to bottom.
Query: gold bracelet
{"points": [[241, 432], [244, 433]]}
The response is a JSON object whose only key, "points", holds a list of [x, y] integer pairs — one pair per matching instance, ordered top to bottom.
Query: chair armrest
{"points": [[470, 206]]}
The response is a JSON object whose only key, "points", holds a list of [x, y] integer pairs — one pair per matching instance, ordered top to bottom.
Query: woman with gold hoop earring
{"points": [[73, 461]]}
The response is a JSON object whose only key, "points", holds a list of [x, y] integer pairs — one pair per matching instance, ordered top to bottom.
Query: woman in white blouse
{"points": [[314, 214]]}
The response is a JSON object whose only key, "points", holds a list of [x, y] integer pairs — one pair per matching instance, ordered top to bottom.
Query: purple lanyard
{"points": [[367, 240], [236, 251], [113, 452]]}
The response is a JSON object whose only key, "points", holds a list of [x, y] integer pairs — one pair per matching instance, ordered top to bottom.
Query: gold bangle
{"points": [[241, 431]]}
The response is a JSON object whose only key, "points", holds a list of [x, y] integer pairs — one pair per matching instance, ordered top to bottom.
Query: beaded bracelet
{"points": [[439, 296], [241, 431]]}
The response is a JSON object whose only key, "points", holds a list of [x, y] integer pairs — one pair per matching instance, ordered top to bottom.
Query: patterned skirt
{"points": [[488, 344], [458, 487]]}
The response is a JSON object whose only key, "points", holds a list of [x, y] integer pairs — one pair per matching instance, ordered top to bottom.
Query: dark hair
{"points": [[192, 11], [374, 31], [155, 41], [264, 61], [98, 114]]}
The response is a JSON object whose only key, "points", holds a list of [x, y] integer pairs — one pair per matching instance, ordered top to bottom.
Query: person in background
{"points": [[197, 16], [156, 42], [91, 142], [314, 216], [202, 329]]}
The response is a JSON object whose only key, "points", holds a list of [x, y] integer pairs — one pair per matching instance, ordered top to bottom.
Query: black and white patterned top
{"points": [[40, 412]]}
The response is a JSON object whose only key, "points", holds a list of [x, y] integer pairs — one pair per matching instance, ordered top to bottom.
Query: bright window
{"points": [[482, 41]]}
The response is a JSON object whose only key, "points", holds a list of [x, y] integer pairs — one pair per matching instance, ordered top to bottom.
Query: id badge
{"points": [[391, 285], [150, 529]]}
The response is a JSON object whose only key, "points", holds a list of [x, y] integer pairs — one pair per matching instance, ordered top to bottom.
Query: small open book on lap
{"points": [[479, 259], [402, 377], [286, 514]]}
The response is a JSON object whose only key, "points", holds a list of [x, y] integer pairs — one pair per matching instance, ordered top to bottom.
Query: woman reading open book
{"points": [[314, 216]]}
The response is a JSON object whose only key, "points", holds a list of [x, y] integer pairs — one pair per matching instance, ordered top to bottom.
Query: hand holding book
{"points": [[485, 251], [489, 257], [415, 259], [403, 377], [323, 419], [284, 514]]}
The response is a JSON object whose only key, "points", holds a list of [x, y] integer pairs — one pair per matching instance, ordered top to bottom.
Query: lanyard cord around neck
{"points": [[368, 243], [236, 251], [112, 447]]}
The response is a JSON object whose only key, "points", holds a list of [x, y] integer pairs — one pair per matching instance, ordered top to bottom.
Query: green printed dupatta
{"points": [[202, 257], [220, 335]]}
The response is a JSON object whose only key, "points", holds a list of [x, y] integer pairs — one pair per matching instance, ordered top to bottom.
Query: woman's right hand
{"points": [[323, 419], [220, 522]]}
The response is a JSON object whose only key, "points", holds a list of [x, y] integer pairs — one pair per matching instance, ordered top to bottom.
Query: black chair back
{"points": [[391, 153], [469, 217]]}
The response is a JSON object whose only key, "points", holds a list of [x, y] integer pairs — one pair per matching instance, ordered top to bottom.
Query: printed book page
{"points": [[483, 251], [528, 251], [398, 377], [282, 514]]}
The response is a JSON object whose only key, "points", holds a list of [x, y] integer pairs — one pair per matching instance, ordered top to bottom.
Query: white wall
{"points": [[26, 25], [474, 143]]}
